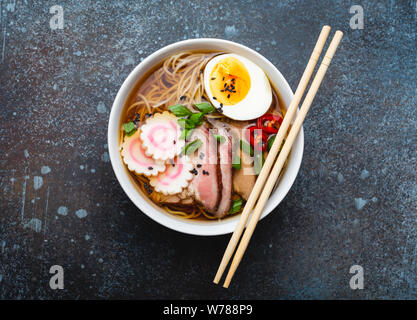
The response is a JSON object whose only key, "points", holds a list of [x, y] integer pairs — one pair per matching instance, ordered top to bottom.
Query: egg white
{"points": [[258, 99]]}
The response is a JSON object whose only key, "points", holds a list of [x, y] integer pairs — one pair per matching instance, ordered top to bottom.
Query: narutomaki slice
{"points": [[160, 136], [135, 158], [175, 178]]}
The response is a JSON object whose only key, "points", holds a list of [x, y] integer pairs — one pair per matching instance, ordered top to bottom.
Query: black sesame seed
{"points": [[213, 78], [223, 78], [225, 85], [221, 90], [228, 96], [183, 97], [214, 98], [221, 105], [148, 115], [137, 118], [174, 142], [198, 165], [150, 168], [147, 188]]}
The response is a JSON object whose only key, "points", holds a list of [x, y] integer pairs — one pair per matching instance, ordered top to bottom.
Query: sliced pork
{"points": [[225, 166], [244, 178], [212, 181], [205, 185]]}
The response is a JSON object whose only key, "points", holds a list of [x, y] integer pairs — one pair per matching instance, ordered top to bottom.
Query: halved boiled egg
{"points": [[237, 87]]}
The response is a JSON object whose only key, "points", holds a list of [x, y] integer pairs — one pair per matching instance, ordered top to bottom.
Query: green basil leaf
{"points": [[205, 107], [180, 111], [196, 119], [185, 123], [129, 128], [188, 135], [271, 140], [192, 147], [246, 147], [236, 162], [258, 163], [236, 206]]}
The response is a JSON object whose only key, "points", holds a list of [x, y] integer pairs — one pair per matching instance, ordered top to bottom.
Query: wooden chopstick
{"points": [[283, 155], [263, 175]]}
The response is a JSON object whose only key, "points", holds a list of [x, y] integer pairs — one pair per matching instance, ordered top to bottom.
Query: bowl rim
{"points": [[189, 226]]}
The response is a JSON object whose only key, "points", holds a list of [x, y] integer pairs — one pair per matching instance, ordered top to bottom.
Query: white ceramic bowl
{"points": [[197, 227]]}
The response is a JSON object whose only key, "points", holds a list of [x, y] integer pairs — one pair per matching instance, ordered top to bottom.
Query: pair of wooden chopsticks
{"points": [[267, 178]]}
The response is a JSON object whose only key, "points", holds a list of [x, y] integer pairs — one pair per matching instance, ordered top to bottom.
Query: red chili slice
{"points": [[269, 122], [258, 141]]}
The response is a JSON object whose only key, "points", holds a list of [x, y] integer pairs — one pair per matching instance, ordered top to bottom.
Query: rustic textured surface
{"points": [[354, 200]]}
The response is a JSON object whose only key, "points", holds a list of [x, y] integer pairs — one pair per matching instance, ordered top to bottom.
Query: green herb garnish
{"points": [[205, 107], [180, 111], [196, 119], [189, 120], [186, 123], [129, 128], [189, 133], [186, 134], [183, 135], [220, 138], [271, 142], [192, 147], [246, 147], [236, 162], [258, 162], [236, 206]]}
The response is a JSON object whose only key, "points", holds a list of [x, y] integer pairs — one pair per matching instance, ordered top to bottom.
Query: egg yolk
{"points": [[229, 81]]}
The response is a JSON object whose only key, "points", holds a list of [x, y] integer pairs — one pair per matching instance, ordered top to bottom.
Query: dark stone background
{"points": [[354, 200]]}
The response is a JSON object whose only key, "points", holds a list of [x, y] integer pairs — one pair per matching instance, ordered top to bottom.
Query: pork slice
{"points": [[225, 156], [244, 178], [205, 186]]}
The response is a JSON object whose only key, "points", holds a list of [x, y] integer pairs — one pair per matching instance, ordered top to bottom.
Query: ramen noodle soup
{"points": [[195, 132]]}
